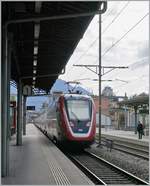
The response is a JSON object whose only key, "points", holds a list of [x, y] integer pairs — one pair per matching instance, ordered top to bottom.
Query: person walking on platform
{"points": [[140, 129]]}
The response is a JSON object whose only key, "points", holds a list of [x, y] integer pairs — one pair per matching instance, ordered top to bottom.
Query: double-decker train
{"points": [[69, 119]]}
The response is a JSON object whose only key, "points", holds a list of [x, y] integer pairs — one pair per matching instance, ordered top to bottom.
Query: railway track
{"points": [[127, 147], [102, 172]]}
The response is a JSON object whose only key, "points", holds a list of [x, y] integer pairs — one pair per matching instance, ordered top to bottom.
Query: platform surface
{"points": [[128, 135], [39, 162]]}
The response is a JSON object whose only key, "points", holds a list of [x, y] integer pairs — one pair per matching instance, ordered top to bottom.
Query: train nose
{"points": [[80, 126]]}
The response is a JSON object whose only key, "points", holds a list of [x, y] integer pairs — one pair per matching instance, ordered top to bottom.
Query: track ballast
{"points": [[102, 172]]}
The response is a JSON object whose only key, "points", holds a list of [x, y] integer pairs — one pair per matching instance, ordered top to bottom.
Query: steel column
{"points": [[100, 79], [8, 84], [5, 102], [135, 111], [19, 114], [24, 114], [4, 153]]}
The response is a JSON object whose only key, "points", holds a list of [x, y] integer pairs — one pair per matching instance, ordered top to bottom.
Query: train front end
{"points": [[79, 119]]}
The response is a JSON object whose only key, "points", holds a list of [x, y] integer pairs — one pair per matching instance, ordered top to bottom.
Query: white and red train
{"points": [[69, 119]]}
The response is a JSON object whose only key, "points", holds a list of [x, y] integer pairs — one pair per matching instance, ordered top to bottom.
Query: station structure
{"points": [[38, 39], [140, 104]]}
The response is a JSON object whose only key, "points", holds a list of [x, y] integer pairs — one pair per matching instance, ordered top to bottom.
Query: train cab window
{"points": [[79, 109]]}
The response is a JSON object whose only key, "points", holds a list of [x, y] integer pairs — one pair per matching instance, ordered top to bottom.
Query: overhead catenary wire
{"points": [[110, 12], [120, 12], [124, 34], [118, 39], [107, 50], [85, 52], [142, 59], [133, 63], [133, 80], [129, 82]]}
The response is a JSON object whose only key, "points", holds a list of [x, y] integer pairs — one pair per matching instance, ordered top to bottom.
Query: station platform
{"points": [[128, 135], [39, 162]]}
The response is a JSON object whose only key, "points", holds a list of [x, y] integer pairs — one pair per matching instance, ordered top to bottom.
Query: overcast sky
{"points": [[132, 50]]}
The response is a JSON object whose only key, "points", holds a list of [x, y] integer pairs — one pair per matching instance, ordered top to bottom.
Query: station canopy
{"points": [[43, 37], [136, 101]]}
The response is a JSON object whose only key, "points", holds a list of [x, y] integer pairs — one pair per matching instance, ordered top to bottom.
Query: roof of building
{"points": [[136, 101]]}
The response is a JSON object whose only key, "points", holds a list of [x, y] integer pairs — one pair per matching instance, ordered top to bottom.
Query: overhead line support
{"points": [[102, 67]]}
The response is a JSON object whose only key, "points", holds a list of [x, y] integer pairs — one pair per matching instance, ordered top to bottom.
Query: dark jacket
{"points": [[140, 127]]}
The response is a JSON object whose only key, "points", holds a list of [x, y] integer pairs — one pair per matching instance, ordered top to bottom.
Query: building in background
{"points": [[108, 100], [135, 109], [124, 114], [106, 120]]}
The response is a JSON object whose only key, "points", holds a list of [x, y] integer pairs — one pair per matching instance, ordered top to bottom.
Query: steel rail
{"points": [[132, 150], [135, 151], [87, 171], [107, 173], [129, 175], [106, 178]]}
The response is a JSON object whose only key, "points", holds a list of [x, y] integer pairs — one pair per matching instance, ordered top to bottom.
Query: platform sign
{"points": [[30, 107]]}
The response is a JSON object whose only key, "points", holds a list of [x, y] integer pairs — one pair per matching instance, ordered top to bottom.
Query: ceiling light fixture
{"points": [[36, 31], [35, 50], [35, 63]]}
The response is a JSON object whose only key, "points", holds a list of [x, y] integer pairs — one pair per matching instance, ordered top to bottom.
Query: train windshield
{"points": [[79, 109]]}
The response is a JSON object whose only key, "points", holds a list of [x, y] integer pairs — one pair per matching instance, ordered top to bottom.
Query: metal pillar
{"points": [[6, 60], [100, 67], [99, 79], [8, 84], [135, 111], [19, 114], [24, 114], [125, 117], [143, 119]]}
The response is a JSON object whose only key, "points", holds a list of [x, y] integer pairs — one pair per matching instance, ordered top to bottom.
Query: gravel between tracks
{"points": [[136, 166]]}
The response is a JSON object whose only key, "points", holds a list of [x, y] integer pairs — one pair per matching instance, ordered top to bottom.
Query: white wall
{"points": [[105, 120]]}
